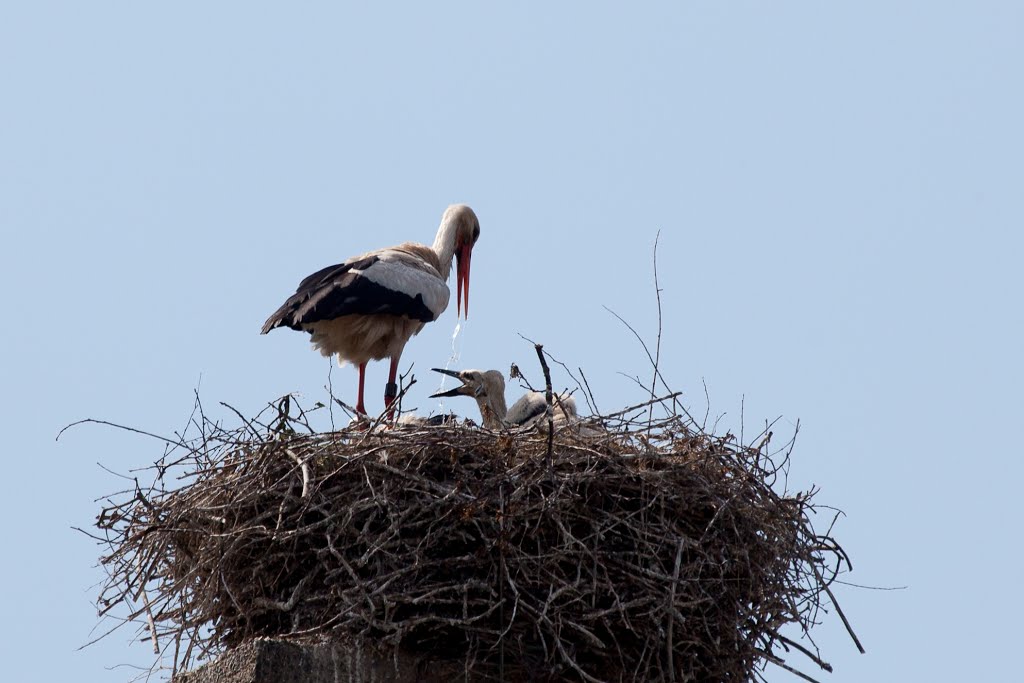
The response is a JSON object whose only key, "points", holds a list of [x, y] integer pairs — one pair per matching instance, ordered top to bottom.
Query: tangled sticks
{"points": [[651, 552]]}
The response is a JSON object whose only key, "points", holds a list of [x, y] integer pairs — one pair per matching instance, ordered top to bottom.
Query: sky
{"points": [[835, 189]]}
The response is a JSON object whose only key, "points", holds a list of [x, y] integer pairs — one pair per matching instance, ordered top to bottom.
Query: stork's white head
{"points": [[465, 228]]}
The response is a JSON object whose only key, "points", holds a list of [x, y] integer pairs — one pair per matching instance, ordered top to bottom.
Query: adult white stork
{"points": [[368, 307], [488, 388]]}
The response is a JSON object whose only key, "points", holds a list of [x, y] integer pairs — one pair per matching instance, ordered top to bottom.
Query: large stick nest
{"points": [[650, 552]]}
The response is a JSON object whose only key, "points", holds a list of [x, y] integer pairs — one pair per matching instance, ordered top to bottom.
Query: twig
{"points": [[657, 346], [547, 399], [590, 401], [643, 405], [247, 423], [117, 426], [305, 471], [839, 610], [151, 622], [669, 643], [810, 655], [777, 661]]}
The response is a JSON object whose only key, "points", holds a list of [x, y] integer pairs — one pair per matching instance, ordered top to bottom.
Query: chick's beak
{"points": [[457, 391]]}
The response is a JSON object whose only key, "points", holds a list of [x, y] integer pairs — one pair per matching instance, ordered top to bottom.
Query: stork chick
{"points": [[488, 388]]}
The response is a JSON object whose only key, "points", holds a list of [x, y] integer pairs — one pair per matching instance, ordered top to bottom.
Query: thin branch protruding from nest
{"points": [[657, 345], [550, 411]]}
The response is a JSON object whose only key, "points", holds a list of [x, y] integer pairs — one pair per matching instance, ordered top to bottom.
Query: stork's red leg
{"points": [[360, 408]]}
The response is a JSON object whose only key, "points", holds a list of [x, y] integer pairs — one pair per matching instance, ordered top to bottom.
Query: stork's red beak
{"points": [[462, 279]]}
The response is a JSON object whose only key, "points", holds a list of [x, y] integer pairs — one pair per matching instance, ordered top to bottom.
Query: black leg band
{"points": [[390, 392]]}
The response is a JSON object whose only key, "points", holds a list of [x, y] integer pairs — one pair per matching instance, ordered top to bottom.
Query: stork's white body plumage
{"points": [[368, 307], [487, 387]]}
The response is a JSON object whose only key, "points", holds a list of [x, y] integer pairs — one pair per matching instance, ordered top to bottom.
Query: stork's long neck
{"points": [[444, 245], [493, 408]]}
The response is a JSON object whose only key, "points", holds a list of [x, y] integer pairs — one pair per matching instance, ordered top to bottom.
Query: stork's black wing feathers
{"points": [[326, 275], [337, 291]]}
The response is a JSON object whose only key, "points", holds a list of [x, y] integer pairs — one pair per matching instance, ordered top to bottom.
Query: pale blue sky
{"points": [[837, 185]]}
